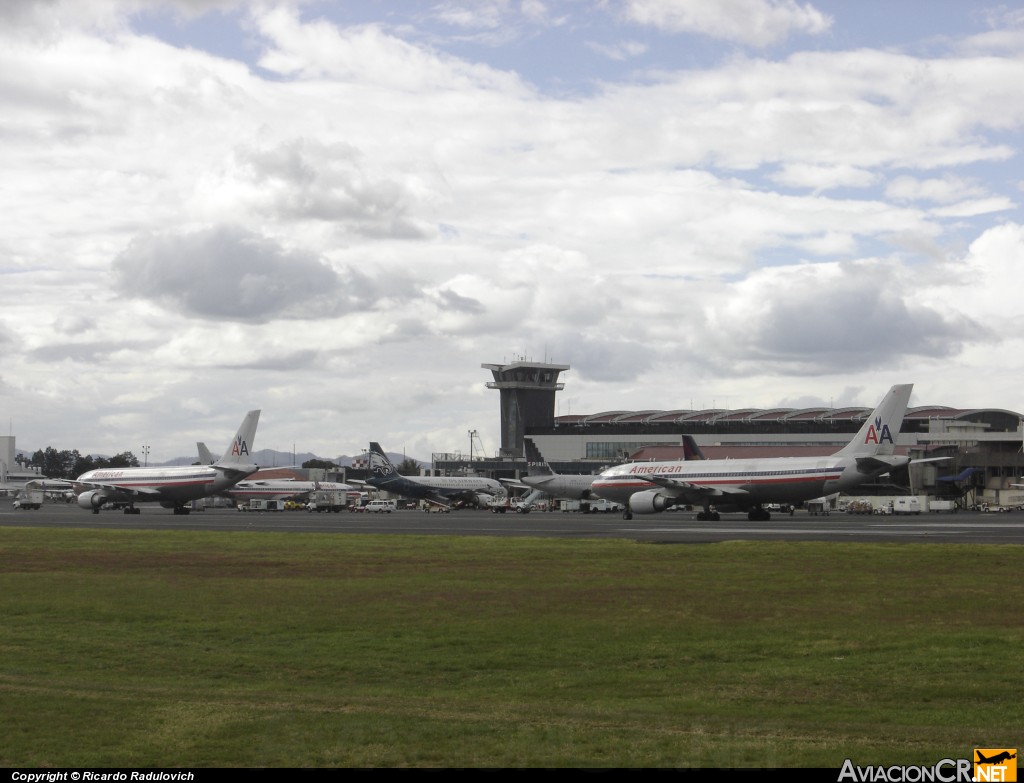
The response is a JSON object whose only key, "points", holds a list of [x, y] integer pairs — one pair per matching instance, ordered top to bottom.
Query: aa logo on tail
{"points": [[878, 433], [239, 447], [995, 764]]}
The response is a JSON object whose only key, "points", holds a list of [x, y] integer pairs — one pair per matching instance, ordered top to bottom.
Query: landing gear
{"points": [[130, 509], [182, 510], [627, 514], [707, 515]]}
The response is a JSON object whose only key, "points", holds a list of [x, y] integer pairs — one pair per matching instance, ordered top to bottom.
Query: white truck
{"points": [[29, 498], [321, 500], [259, 504], [942, 505], [599, 506], [906, 506]]}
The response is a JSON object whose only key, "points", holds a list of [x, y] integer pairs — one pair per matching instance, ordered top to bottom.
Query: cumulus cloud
{"points": [[303, 179], [230, 273], [840, 317]]}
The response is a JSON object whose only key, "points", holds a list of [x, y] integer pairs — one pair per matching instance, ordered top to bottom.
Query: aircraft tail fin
{"points": [[877, 437], [690, 448], [239, 453], [205, 457], [379, 464], [535, 464]]}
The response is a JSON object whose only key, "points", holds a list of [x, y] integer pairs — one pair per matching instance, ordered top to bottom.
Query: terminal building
{"points": [[983, 445]]}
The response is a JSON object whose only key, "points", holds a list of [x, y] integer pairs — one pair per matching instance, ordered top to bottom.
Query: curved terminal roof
{"points": [[996, 417]]}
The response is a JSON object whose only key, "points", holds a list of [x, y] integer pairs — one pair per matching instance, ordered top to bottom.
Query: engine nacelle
{"points": [[92, 499], [650, 501]]}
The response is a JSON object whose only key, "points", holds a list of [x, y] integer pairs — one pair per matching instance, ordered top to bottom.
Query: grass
{"points": [[184, 649]]}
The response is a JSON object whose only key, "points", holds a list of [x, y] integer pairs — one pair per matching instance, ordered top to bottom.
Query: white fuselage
{"points": [[741, 482], [165, 484], [558, 485], [431, 487], [260, 489]]}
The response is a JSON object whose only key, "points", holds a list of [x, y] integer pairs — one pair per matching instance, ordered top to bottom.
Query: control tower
{"points": [[527, 399]]}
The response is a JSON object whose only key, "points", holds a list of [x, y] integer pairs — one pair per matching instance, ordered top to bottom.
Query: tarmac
{"points": [[669, 527]]}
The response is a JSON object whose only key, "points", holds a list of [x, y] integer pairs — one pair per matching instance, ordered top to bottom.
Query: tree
{"points": [[123, 460], [320, 463], [408, 467]]}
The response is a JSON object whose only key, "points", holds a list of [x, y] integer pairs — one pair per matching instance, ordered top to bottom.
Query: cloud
{"points": [[757, 23], [623, 50], [821, 178], [303, 179], [230, 273], [829, 318], [91, 353]]}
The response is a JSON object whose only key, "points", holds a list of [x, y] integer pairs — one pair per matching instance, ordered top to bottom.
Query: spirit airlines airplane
{"points": [[540, 479], [747, 484], [171, 487], [442, 491]]}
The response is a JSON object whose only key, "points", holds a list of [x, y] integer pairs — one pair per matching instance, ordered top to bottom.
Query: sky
{"points": [[337, 212]]}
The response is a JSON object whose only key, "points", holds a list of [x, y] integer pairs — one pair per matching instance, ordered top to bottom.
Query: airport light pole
{"points": [[472, 434], [145, 456]]}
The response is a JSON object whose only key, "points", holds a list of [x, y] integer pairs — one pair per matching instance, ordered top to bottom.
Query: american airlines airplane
{"points": [[748, 484], [171, 487], [443, 491]]}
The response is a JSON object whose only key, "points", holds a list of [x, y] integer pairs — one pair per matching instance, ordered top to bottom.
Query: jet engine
{"points": [[92, 500], [650, 501]]}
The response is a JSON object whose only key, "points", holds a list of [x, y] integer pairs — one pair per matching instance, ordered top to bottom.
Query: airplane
{"points": [[542, 480], [749, 484], [171, 487], [273, 489], [282, 489], [442, 491], [996, 759]]}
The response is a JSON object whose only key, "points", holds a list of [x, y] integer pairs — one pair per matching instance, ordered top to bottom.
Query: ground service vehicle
{"points": [[31, 499], [327, 500], [906, 506]]}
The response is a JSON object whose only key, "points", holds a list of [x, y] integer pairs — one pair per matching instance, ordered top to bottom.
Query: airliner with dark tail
{"points": [[749, 484], [442, 491]]}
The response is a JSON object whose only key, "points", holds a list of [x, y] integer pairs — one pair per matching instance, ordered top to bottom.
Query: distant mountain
{"points": [[270, 458]]}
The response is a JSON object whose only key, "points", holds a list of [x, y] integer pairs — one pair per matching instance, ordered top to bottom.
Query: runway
{"points": [[671, 527]]}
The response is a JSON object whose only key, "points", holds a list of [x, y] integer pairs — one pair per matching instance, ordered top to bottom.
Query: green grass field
{"points": [[183, 649]]}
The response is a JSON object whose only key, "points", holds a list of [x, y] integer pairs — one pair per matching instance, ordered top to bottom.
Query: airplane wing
{"points": [[882, 464], [514, 483], [133, 491], [691, 492]]}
